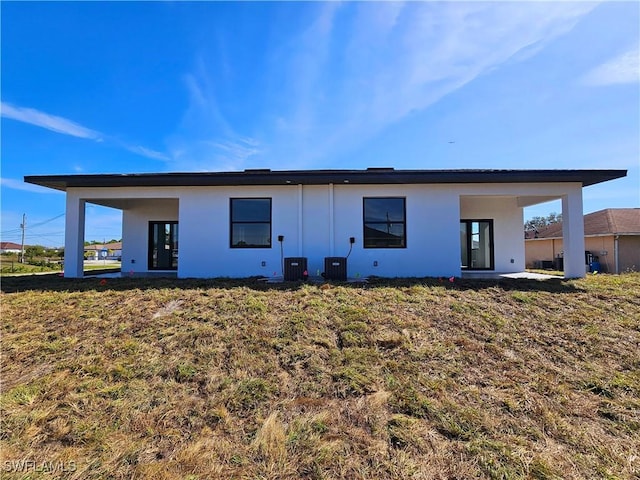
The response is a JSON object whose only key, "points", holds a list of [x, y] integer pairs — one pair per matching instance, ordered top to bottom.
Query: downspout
{"points": [[300, 240], [331, 242], [615, 252]]}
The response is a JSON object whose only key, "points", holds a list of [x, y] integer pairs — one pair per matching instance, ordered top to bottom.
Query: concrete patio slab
{"points": [[494, 275]]}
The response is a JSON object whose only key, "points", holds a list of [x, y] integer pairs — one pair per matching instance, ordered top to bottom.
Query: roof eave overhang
{"points": [[324, 177]]}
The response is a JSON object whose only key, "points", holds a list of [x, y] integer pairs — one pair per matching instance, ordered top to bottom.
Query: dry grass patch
{"points": [[397, 379]]}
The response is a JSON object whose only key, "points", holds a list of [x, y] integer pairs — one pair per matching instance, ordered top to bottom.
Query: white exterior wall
{"points": [[302, 214], [135, 230], [432, 231], [508, 232], [316, 238], [204, 249]]}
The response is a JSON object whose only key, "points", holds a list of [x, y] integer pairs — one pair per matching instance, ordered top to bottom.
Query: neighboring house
{"points": [[403, 222], [611, 238], [10, 247], [107, 251]]}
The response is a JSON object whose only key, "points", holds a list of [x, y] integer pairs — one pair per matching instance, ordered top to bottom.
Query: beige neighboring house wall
{"points": [[609, 233], [602, 247], [542, 249], [629, 253]]}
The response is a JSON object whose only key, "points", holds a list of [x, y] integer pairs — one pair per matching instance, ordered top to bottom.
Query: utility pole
{"points": [[23, 226]]}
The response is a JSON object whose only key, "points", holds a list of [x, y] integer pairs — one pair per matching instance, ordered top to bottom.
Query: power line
{"points": [[47, 221], [19, 229], [12, 231], [21, 232], [31, 234], [52, 234]]}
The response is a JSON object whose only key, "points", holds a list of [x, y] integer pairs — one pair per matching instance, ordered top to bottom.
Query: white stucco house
{"points": [[390, 223], [10, 247], [103, 251]]}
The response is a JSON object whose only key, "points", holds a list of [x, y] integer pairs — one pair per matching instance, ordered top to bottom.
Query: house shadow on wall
{"points": [[56, 283]]}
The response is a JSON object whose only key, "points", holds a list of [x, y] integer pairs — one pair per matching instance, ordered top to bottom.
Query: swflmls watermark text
{"points": [[26, 465]]}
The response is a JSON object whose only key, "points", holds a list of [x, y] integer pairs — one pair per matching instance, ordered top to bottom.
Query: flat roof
{"points": [[370, 176]]}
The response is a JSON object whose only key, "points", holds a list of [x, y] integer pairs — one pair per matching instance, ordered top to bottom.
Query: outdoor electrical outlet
{"points": [[280, 238], [352, 239]]}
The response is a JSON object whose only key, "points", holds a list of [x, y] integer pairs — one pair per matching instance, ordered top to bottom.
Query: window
{"points": [[250, 222], [384, 223], [476, 244], [163, 245]]}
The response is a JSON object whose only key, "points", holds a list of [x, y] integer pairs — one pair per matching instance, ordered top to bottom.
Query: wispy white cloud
{"points": [[429, 51], [398, 58], [309, 65], [624, 68], [354, 70], [204, 116], [48, 121], [68, 127], [205, 140], [239, 150], [147, 152], [214, 155], [27, 187]]}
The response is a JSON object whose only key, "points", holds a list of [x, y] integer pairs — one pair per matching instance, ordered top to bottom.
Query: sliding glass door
{"points": [[476, 244], [163, 245]]}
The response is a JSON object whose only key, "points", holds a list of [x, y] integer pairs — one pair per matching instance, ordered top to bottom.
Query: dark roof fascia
{"points": [[324, 177]]}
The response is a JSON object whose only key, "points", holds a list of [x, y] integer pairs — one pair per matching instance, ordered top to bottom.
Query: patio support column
{"points": [[573, 234], [74, 237]]}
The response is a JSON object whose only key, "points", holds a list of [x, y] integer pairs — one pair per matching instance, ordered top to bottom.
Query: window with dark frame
{"points": [[250, 222], [384, 222], [476, 244]]}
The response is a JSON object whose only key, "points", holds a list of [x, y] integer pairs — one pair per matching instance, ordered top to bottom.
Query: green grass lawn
{"points": [[101, 266], [12, 267], [8, 268], [557, 273], [396, 379]]}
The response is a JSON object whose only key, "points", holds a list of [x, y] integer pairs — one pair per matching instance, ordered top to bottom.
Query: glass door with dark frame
{"points": [[476, 244], [163, 245]]}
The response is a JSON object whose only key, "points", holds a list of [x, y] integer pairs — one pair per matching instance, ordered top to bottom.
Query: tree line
{"points": [[538, 223]]}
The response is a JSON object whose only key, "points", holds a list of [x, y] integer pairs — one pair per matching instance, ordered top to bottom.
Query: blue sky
{"points": [[211, 86]]}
